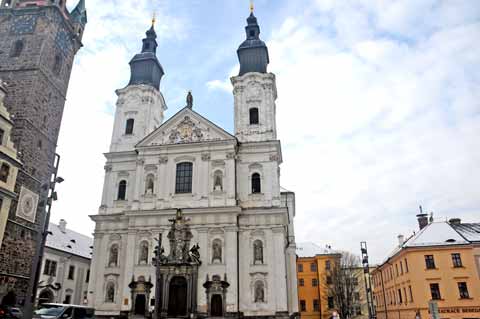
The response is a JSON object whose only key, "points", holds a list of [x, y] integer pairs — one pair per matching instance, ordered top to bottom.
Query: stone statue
{"points": [[189, 99], [218, 183], [216, 251], [258, 251], [144, 253], [195, 253], [112, 261], [259, 292], [110, 293]]}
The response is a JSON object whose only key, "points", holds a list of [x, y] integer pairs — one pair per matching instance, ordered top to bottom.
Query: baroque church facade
{"points": [[193, 221]]}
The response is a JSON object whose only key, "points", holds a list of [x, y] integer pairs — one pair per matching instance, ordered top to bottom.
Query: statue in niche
{"points": [[149, 186], [217, 186], [216, 251], [257, 252], [143, 253], [195, 253], [113, 258], [259, 292], [110, 297]]}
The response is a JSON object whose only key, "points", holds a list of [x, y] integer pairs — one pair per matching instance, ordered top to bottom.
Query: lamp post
{"points": [[41, 239], [368, 282]]}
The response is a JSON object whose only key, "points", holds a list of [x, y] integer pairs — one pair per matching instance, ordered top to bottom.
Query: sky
{"points": [[378, 106]]}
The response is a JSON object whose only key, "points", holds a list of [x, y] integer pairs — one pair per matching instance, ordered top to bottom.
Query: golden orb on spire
{"points": [[251, 6], [154, 19]]}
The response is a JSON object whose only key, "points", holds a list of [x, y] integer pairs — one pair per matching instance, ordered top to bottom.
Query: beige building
{"points": [[9, 163]]}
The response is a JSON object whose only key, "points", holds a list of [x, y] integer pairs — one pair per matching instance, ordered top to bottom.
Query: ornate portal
{"points": [[177, 273]]}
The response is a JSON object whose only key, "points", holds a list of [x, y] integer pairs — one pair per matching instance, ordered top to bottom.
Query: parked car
{"points": [[63, 311], [8, 312]]}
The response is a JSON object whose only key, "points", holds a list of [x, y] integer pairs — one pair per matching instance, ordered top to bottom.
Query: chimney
{"points": [[422, 219], [455, 221], [62, 225], [401, 239]]}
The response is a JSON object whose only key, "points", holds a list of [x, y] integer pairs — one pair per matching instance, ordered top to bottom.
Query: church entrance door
{"points": [[177, 299], [140, 304], [217, 306]]}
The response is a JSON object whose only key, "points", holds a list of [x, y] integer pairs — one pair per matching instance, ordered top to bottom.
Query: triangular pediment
{"points": [[187, 126]]}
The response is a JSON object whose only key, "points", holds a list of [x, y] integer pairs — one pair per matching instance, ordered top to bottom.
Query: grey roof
{"points": [[79, 14], [253, 52], [145, 67], [470, 231], [69, 241], [309, 249]]}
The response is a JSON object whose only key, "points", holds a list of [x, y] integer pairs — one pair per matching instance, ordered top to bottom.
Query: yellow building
{"points": [[9, 164], [441, 262], [313, 265]]}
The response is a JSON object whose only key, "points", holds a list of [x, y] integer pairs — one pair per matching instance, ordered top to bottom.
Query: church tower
{"points": [[38, 43], [254, 89], [140, 105]]}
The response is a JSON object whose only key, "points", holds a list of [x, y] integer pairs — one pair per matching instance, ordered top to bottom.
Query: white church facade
{"points": [[186, 181]]}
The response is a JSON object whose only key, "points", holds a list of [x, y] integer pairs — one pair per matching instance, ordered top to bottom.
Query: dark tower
{"points": [[38, 43], [253, 53]]}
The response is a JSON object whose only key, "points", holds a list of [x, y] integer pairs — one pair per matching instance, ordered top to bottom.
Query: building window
{"points": [[17, 48], [57, 64], [254, 115], [129, 127], [2, 132], [4, 172], [183, 182], [256, 184], [122, 190], [257, 252], [113, 256], [457, 260], [429, 262], [328, 265], [406, 265], [300, 267], [313, 267], [50, 268], [401, 268], [396, 270], [71, 272], [87, 277], [329, 280], [301, 282], [314, 282], [435, 291], [463, 291], [110, 292], [411, 294], [68, 299], [400, 299], [331, 303], [303, 305], [316, 305]]}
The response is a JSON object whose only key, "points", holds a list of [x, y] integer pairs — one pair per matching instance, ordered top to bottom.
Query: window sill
{"points": [[457, 267], [426, 269], [469, 298]]}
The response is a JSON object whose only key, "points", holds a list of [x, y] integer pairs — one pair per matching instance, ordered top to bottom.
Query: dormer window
{"points": [[129, 127], [73, 241]]}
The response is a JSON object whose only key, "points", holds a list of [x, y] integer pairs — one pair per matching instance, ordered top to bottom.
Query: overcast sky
{"points": [[378, 104]]}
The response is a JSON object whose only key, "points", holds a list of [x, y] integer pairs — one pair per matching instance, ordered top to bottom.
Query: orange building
{"points": [[441, 262], [313, 264]]}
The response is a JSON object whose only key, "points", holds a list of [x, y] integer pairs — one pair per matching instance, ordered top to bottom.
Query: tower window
{"points": [[252, 33], [17, 48], [57, 64], [254, 115], [129, 127], [4, 172], [183, 181], [256, 184], [122, 190]]}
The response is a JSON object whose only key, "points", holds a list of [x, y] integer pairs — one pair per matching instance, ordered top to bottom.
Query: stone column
{"points": [[128, 249], [231, 267], [279, 268]]}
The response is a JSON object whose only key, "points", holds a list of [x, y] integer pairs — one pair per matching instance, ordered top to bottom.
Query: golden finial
{"points": [[251, 6], [154, 19]]}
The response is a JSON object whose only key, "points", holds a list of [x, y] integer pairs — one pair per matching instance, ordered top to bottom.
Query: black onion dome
{"points": [[253, 52], [145, 67]]}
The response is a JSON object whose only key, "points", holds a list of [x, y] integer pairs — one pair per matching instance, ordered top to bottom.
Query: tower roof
{"points": [[79, 13], [253, 52], [145, 67]]}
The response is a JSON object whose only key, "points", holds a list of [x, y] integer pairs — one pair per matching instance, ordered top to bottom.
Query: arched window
{"points": [[17, 48], [57, 64], [253, 115], [129, 126], [4, 172], [183, 181], [218, 181], [256, 183], [150, 184], [122, 190], [216, 251], [257, 252], [143, 253], [113, 256], [110, 292], [259, 292]]}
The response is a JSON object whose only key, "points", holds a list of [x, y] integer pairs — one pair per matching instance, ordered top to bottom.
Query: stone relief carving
{"points": [[186, 132], [205, 156], [274, 157], [163, 160], [108, 168]]}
